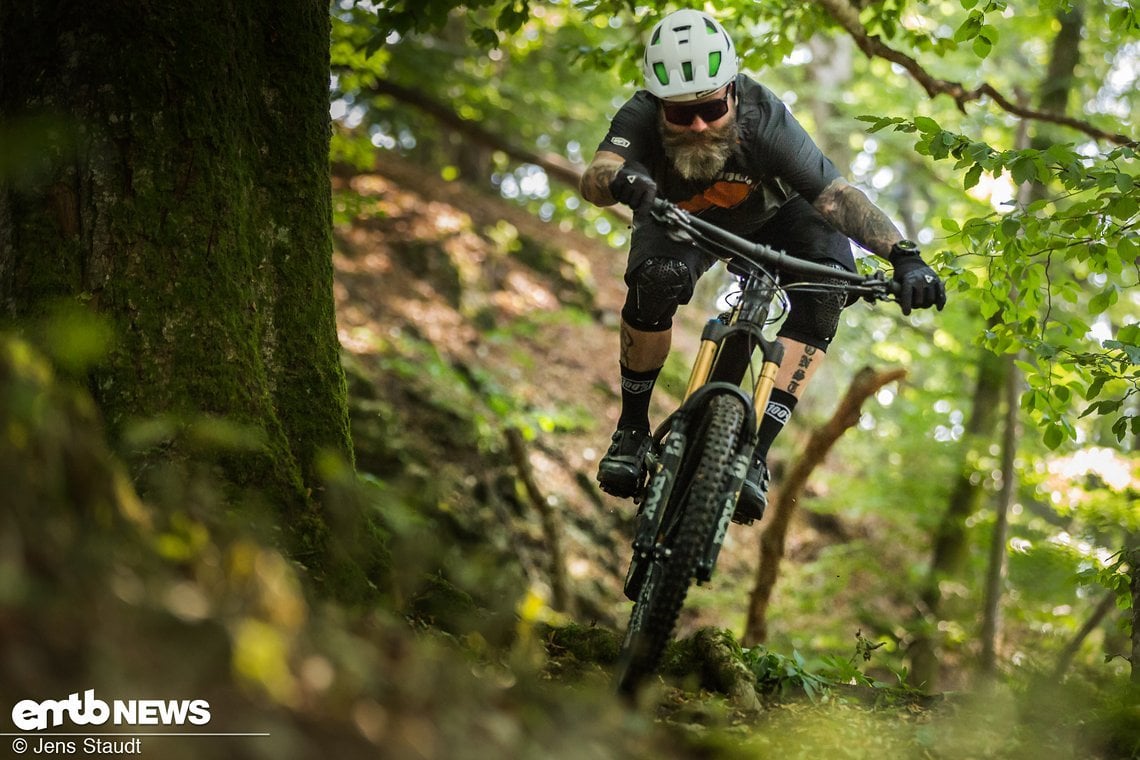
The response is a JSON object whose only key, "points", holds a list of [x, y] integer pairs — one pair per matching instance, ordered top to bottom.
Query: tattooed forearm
{"points": [[595, 182], [853, 214]]}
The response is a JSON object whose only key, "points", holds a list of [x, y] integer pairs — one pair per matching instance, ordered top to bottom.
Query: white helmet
{"points": [[688, 56]]}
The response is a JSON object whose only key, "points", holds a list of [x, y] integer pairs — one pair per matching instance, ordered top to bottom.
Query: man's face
{"points": [[700, 148]]}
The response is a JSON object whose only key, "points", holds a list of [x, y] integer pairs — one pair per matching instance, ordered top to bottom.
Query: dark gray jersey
{"points": [[777, 160]]}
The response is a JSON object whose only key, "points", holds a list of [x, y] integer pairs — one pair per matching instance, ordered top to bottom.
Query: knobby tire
{"points": [[689, 520]]}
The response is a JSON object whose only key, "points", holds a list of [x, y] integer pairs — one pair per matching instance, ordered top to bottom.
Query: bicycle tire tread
{"points": [[651, 627]]}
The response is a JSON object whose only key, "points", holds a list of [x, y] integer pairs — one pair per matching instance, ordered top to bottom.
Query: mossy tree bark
{"points": [[167, 171]]}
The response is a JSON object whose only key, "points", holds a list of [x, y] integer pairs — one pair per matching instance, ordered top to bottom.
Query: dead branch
{"points": [[866, 383], [551, 525], [1065, 659]]}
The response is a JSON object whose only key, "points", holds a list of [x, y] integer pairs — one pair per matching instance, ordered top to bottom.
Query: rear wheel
{"points": [[688, 523]]}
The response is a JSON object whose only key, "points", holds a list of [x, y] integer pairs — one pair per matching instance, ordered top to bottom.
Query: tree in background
{"points": [[165, 192]]}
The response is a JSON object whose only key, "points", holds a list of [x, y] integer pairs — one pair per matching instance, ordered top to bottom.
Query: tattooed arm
{"points": [[595, 182], [848, 210]]}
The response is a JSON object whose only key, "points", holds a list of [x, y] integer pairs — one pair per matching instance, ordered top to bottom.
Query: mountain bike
{"points": [[701, 453]]}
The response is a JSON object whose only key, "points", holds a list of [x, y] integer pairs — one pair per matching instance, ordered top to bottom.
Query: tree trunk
{"points": [[172, 180], [866, 383], [950, 546], [1132, 552], [991, 610], [1100, 612]]}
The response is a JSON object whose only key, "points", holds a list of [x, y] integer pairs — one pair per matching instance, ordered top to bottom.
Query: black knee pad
{"points": [[656, 288], [813, 318]]}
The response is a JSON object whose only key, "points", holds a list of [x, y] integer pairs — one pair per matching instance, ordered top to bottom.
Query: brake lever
{"points": [[675, 221], [878, 289]]}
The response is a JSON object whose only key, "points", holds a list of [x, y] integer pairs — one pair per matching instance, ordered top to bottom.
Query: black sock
{"points": [[636, 390], [780, 407]]}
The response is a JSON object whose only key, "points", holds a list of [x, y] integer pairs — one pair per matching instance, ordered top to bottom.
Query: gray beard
{"points": [[700, 157]]}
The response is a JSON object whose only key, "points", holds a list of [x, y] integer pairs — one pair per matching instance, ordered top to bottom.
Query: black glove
{"points": [[633, 186], [919, 286]]}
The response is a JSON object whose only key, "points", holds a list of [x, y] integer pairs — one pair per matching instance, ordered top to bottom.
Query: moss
{"points": [[189, 203], [592, 644], [714, 658]]}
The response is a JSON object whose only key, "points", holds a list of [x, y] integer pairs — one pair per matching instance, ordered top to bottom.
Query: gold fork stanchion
{"points": [[702, 366], [763, 390]]}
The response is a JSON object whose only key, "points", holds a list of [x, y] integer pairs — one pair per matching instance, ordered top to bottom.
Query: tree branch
{"points": [[848, 17], [556, 166], [865, 384], [551, 524]]}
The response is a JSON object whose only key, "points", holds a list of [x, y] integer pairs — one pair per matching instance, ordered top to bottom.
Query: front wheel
{"points": [[687, 526]]}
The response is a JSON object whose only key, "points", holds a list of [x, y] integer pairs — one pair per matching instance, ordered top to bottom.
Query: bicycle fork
{"points": [[725, 354], [718, 368]]}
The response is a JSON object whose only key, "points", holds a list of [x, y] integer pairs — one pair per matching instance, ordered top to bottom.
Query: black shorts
{"points": [[797, 229]]}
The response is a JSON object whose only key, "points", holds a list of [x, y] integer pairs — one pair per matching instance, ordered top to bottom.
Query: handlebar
{"points": [[678, 220]]}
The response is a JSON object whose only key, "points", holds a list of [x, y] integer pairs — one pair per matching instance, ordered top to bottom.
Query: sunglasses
{"points": [[682, 114]]}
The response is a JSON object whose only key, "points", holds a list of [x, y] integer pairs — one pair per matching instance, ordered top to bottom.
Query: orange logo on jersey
{"points": [[722, 194]]}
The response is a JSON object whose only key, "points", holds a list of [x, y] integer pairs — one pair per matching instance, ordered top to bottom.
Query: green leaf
{"points": [[1120, 19], [969, 28], [485, 38], [880, 122], [926, 125], [1023, 169], [973, 176], [1010, 227], [1127, 249], [1102, 300], [1129, 334], [1095, 387], [1054, 436]]}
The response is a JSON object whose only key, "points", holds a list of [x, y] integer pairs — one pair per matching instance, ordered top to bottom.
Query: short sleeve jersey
{"points": [[777, 160]]}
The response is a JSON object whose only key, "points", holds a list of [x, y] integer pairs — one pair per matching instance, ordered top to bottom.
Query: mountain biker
{"points": [[719, 144]]}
